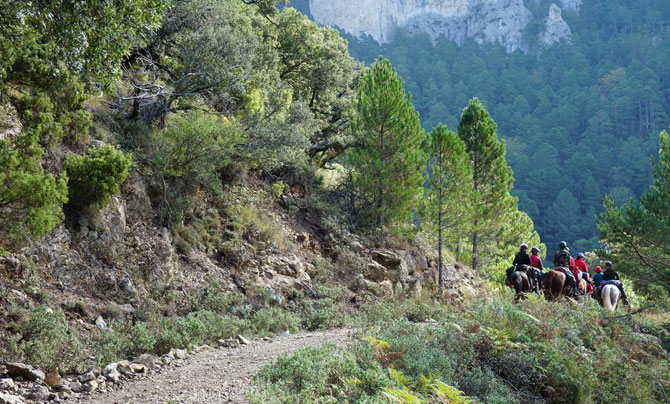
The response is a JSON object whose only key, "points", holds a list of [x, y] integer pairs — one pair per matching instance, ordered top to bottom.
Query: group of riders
{"points": [[574, 269]]}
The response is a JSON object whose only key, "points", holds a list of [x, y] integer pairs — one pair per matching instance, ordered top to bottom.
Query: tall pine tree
{"points": [[388, 159], [492, 178], [448, 191], [638, 234]]}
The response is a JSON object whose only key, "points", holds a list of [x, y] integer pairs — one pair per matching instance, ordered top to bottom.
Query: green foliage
{"points": [[581, 115], [194, 146], [388, 158], [96, 176], [492, 178], [448, 193], [30, 198], [637, 235], [275, 321], [45, 339], [490, 351], [320, 376]]}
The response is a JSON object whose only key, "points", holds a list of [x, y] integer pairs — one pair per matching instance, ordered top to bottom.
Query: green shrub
{"points": [[96, 176], [30, 199], [274, 320], [45, 339], [320, 376]]}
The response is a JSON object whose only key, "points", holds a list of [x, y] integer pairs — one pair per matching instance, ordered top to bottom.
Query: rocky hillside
{"points": [[484, 21]]}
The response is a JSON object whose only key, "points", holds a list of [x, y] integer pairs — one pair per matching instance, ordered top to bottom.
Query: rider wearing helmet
{"points": [[562, 256], [522, 257], [563, 259], [521, 261], [536, 261], [580, 264], [598, 277], [611, 277]]}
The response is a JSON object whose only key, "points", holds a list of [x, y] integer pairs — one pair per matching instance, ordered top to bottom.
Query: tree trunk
{"points": [[475, 248], [439, 254]]}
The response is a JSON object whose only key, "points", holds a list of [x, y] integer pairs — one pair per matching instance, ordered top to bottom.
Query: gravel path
{"points": [[216, 375]]}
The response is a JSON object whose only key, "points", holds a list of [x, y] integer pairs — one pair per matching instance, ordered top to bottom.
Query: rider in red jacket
{"points": [[580, 264]]}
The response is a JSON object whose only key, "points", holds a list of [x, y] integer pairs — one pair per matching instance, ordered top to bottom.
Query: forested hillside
{"points": [[581, 119]]}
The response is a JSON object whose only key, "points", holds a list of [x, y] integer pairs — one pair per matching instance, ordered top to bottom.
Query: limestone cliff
{"points": [[485, 21], [555, 28]]}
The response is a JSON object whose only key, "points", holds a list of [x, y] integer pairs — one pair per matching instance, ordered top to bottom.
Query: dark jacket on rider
{"points": [[522, 258], [562, 258], [610, 275], [597, 278]]}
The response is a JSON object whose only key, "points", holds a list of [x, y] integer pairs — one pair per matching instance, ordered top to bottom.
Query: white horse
{"points": [[610, 296]]}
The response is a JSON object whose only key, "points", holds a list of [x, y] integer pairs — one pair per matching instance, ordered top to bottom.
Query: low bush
{"points": [[96, 176], [274, 320], [42, 337], [494, 351]]}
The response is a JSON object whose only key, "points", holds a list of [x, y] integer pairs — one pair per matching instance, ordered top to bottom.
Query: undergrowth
{"points": [[489, 352]]}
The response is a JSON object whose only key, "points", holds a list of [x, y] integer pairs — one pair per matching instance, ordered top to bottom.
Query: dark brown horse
{"points": [[521, 283], [555, 285]]}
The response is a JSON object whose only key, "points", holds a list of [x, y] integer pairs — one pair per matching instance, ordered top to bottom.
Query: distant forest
{"points": [[580, 119]]}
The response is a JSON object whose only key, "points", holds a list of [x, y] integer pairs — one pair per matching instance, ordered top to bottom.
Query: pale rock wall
{"points": [[571, 4], [485, 21], [500, 21], [555, 28]]}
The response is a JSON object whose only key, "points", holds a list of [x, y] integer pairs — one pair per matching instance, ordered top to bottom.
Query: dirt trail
{"points": [[214, 376]]}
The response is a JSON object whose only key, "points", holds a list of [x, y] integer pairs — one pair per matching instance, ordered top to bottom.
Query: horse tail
{"points": [[517, 281], [610, 297]]}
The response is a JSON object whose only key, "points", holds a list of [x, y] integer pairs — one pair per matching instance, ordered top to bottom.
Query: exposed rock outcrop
{"points": [[571, 4], [485, 21], [555, 27], [10, 126], [393, 272]]}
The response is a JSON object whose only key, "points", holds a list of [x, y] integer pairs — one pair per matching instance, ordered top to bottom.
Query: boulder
{"points": [[101, 324], [243, 340], [228, 343], [180, 353], [147, 360], [124, 367], [138, 368], [15, 369], [86, 377], [6, 384], [75, 386], [90, 386], [38, 393], [11, 399]]}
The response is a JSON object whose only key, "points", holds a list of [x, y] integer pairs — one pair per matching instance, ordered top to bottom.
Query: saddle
{"points": [[571, 278]]}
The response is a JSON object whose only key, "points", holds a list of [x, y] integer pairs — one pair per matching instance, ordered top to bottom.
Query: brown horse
{"points": [[521, 283], [555, 285], [583, 287]]}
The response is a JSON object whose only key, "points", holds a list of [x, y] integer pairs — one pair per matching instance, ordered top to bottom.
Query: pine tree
{"points": [[388, 159], [492, 178], [448, 192], [638, 234]]}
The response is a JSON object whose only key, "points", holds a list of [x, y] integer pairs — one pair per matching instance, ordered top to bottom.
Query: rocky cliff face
{"points": [[485, 21], [555, 28]]}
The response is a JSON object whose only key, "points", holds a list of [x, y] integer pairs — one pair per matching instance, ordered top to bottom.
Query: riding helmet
{"points": [[562, 244], [522, 246], [534, 250], [580, 255], [608, 263], [598, 269]]}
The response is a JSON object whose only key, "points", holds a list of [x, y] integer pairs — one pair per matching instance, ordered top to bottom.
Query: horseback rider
{"points": [[562, 260], [521, 262], [536, 263], [580, 264], [598, 277], [611, 277]]}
